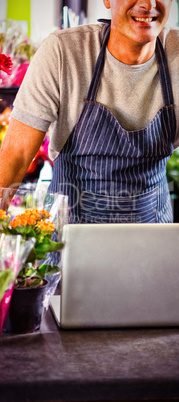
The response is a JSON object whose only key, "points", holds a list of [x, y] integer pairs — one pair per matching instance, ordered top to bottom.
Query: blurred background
{"points": [[29, 12]]}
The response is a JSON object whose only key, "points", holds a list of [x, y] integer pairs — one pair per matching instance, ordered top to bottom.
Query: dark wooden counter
{"points": [[90, 365]]}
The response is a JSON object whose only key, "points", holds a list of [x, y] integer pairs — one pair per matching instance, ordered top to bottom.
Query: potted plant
{"points": [[31, 281]]}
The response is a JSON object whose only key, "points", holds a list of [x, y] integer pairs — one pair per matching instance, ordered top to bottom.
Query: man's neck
{"points": [[128, 53]]}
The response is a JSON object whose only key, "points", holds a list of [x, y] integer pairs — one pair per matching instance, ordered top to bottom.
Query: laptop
{"points": [[119, 275]]}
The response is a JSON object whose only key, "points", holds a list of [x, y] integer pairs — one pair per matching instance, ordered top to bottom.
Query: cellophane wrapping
{"points": [[13, 253]]}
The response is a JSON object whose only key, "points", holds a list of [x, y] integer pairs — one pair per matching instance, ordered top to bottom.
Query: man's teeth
{"points": [[143, 19]]}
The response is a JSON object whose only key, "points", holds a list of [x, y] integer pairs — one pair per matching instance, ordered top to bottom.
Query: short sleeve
{"points": [[38, 97]]}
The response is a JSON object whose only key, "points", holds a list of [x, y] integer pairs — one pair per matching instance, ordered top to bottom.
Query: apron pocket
{"points": [[97, 208]]}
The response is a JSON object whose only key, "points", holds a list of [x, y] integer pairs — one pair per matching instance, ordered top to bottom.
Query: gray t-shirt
{"points": [[57, 81]]}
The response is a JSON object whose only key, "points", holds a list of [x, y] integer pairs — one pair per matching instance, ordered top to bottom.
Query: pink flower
{"points": [[6, 64], [16, 201]]}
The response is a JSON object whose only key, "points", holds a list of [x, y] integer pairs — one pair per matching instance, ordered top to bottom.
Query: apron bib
{"points": [[112, 175]]}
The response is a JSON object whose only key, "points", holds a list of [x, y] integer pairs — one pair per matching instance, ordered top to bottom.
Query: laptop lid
{"points": [[119, 275]]}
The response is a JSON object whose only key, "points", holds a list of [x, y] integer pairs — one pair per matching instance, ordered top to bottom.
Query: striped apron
{"points": [[112, 175]]}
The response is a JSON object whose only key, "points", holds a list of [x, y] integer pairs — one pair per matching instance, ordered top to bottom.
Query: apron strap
{"points": [[98, 68], [164, 73]]}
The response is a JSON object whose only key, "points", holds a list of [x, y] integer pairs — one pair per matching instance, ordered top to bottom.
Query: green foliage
{"points": [[172, 170], [47, 269], [6, 278]]}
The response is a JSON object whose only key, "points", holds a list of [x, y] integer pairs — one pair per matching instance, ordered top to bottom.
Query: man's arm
{"points": [[19, 147]]}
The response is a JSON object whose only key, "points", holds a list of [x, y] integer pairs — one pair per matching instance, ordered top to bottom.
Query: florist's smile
{"points": [[144, 19]]}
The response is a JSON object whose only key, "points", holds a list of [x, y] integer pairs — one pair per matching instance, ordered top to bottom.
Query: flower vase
{"points": [[26, 309]]}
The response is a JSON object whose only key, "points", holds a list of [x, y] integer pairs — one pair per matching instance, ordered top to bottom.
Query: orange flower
{"points": [[32, 212], [3, 214], [38, 214], [44, 214], [32, 217], [31, 220], [24, 221], [15, 222], [46, 225]]}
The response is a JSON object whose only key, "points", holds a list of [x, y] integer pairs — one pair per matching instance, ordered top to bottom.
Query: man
{"points": [[111, 94]]}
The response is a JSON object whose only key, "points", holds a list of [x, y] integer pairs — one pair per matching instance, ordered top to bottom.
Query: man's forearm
{"points": [[19, 147], [12, 170]]}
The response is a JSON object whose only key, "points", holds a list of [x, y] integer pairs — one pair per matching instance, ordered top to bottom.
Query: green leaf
{"points": [[47, 246], [32, 256], [48, 269]]}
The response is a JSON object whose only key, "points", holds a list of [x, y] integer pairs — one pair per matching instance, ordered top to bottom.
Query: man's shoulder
{"points": [[81, 32], [170, 37], [78, 44]]}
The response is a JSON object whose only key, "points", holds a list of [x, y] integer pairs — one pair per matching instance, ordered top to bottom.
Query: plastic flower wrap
{"points": [[16, 50], [29, 196], [40, 215], [32, 223], [13, 253]]}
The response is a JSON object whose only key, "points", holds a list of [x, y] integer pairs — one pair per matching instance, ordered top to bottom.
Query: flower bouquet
{"points": [[31, 224], [13, 253]]}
